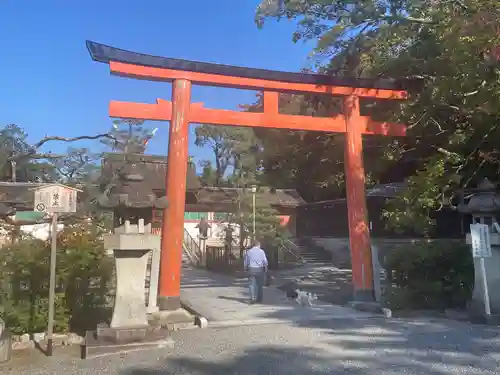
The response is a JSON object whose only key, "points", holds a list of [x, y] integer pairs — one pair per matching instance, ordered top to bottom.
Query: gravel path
{"points": [[425, 347]]}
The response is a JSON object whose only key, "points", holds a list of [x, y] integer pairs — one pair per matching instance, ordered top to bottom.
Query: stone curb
{"points": [[370, 307], [460, 316], [199, 320], [27, 341], [130, 348]]}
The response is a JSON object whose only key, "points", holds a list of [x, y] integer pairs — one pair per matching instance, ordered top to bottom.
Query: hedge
{"points": [[430, 275], [83, 281]]}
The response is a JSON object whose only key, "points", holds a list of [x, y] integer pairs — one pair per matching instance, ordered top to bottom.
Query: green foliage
{"points": [[452, 47], [129, 136], [13, 143], [235, 151], [312, 162], [238, 163], [27, 164], [77, 166], [209, 174], [268, 229], [431, 276], [83, 279], [24, 293]]}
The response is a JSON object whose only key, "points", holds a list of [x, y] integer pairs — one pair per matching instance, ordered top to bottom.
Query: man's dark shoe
{"points": [[252, 302]]}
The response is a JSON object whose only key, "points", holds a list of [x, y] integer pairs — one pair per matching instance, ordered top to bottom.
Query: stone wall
{"points": [[339, 247], [341, 257]]}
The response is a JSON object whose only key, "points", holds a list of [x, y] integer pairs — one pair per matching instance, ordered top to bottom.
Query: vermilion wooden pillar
{"points": [[173, 216], [359, 234]]}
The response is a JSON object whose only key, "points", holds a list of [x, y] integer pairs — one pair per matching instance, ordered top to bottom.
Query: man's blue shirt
{"points": [[255, 258]]}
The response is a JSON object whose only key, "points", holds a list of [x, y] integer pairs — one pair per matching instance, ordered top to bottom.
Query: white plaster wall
{"points": [[40, 231], [216, 231]]}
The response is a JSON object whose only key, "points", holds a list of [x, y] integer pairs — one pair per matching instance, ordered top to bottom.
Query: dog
{"points": [[302, 297]]}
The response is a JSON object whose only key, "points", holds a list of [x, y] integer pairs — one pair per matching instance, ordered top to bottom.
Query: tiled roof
{"points": [[152, 167], [386, 190], [278, 197]]}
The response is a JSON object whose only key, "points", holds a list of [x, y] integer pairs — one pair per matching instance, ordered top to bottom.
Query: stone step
{"points": [[311, 255]]}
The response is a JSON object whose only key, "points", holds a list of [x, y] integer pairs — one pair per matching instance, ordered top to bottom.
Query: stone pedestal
{"points": [[155, 243], [146, 244], [131, 252], [492, 267], [130, 309]]}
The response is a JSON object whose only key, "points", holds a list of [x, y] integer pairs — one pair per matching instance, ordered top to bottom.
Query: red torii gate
{"points": [[180, 112]]}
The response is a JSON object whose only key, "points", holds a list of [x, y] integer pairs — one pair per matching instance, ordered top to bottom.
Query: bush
{"points": [[430, 276], [82, 282]]}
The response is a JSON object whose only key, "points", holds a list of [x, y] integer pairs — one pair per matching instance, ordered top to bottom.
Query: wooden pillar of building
{"points": [[173, 216], [359, 234]]}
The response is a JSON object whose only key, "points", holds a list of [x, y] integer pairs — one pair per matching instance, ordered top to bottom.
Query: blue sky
{"points": [[50, 86]]}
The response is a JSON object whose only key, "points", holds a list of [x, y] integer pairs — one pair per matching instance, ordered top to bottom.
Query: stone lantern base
{"points": [[105, 341]]}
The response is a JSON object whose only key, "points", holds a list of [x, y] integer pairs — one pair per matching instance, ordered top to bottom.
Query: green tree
{"points": [[452, 47], [128, 136], [218, 139], [233, 150], [239, 152], [17, 162], [25, 162], [311, 162], [77, 166], [209, 174], [267, 223], [84, 273]]}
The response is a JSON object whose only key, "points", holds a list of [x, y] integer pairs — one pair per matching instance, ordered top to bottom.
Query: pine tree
{"points": [[130, 136], [238, 165], [267, 222]]}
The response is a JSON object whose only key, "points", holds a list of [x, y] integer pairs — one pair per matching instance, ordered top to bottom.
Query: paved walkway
{"points": [[223, 300]]}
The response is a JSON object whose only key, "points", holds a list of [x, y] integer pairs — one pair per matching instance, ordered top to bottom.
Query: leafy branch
{"points": [[32, 152]]}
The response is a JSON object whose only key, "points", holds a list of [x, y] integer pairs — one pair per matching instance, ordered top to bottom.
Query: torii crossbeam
{"points": [[180, 112]]}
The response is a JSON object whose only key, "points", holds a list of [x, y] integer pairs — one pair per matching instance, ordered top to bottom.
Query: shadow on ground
{"points": [[202, 282], [330, 284], [243, 300], [353, 347], [358, 347], [256, 361]]}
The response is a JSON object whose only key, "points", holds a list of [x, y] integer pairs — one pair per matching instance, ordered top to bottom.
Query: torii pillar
{"points": [[173, 216]]}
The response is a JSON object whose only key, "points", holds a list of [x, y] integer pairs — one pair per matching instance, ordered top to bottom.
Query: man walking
{"points": [[203, 227], [255, 264]]}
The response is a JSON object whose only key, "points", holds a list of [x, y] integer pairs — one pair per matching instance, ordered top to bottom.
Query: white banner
{"points": [[481, 241]]}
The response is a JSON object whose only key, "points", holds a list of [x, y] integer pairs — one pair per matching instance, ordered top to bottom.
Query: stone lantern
{"points": [[484, 206], [131, 244]]}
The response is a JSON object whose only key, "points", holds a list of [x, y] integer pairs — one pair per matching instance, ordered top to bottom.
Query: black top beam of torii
{"points": [[105, 54]]}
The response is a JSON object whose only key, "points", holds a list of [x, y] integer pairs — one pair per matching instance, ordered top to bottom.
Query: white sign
{"points": [[55, 198], [496, 226], [480, 239]]}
